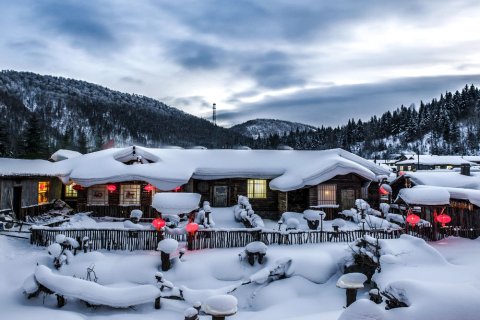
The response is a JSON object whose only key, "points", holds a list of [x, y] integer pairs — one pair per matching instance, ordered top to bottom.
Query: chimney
{"points": [[465, 169]]}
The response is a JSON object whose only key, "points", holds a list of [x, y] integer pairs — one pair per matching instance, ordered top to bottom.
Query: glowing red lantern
{"points": [[401, 173], [77, 187], [111, 187], [149, 188], [177, 189], [383, 191], [413, 219], [443, 219], [158, 223], [192, 227]]}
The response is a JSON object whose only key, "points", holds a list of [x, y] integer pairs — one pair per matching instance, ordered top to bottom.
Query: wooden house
{"points": [[431, 162], [113, 182], [27, 187]]}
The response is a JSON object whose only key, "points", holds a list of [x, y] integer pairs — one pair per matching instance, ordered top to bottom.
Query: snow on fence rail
{"points": [[112, 239]]}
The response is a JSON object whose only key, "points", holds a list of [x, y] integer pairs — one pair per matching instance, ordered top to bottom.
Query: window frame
{"points": [[98, 188], [257, 188], [136, 190], [70, 192], [43, 193], [327, 194]]}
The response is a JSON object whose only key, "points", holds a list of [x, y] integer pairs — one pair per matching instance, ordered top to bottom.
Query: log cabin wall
{"points": [[349, 182], [27, 190], [298, 200], [114, 208], [267, 208]]}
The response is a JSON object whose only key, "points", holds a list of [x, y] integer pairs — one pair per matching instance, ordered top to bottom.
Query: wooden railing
{"points": [[122, 239]]}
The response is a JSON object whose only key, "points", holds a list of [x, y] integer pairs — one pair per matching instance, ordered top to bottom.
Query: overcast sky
{"points": [[317, 62]]}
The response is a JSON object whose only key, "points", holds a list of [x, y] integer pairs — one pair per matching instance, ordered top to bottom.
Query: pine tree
{"points": [[34, 142], [82, 142], [4, 143]]}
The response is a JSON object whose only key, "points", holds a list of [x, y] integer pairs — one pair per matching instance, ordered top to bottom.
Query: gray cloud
{"points": [[132, 80], [335, 105]]}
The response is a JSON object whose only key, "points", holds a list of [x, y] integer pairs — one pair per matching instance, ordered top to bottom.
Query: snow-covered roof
{"points": [[63, 154], [472, 158], [433, 160], [23, 167], [169, 168], [444, 178], [425, 195], [432, 195]]}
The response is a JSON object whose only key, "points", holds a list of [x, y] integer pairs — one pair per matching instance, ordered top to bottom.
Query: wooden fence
{"points": [[110, 239], [118, 239]]}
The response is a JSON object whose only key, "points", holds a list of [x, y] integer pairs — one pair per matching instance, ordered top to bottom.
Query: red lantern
{"points": [[77, 187], [111, 187], [149, 188], [177, 189], [383, 191], [413, 219], [443, 219], [158, 223], [192, 227]]}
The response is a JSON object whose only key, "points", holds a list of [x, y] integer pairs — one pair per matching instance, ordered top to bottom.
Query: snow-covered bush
{"points": [[243, 212], [292, 224], [60, 250]]}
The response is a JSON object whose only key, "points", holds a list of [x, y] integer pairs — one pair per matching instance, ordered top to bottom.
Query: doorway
{"points": [[220, 196], [348, 199], [17, 200]]}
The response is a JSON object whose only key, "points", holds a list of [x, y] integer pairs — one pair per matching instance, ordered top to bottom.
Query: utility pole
{"points": [[214, 115]]}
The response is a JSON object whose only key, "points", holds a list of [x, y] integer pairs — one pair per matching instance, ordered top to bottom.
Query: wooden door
{"points": [[220, 196], [347, 198], [17, 200]]}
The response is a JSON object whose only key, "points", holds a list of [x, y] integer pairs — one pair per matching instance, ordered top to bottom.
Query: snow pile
{"points": [[63, 154], [176, 202], [136, 214], [313, 215], [370, 221], [127, 224], [256, 247], [352, 280], [95, 293], [221, 305]]}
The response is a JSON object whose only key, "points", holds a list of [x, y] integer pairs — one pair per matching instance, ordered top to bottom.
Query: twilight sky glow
{"points": [[317, 62]]}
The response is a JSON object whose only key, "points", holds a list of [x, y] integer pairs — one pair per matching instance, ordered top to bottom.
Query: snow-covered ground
{"points": [[439, 281]]}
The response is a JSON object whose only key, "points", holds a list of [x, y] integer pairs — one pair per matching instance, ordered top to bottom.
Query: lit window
{"points": [[449, 167], [401, 168], [43, 188], [257, 188], [70, 192], [130, 194], [327, 194], [97, 195]]}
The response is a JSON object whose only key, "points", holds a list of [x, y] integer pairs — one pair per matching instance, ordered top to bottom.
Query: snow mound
{"points": [[313, 215], [168, 245], [256, 247], [353, 280], [95, 293], [221, 305], [363, 309]]}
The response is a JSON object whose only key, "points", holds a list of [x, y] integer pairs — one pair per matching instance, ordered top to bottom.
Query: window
{"points": [[401, 168], [43, 188], [257, 188], [70, 192], [130, 194], [327, 194], [97, 195]]}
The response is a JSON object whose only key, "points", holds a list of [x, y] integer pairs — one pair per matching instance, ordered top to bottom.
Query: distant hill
{"points": [[69, 109], [263, 128]]}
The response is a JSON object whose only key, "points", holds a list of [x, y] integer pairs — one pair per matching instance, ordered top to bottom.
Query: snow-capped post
{"points": [[208, 210], [136, 215], [314, 218], [280, 222], [191, 228], [166, 247], [256, 248], [352, 282], [220, 306], [191, 314]]}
